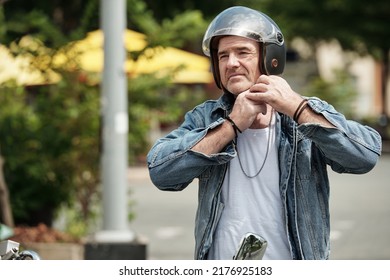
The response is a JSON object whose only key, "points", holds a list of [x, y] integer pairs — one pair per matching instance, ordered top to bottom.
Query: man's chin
{"points": [[238, 87], [237, 90]]}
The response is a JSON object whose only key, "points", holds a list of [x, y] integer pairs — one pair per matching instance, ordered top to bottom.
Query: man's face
{"points": [[238, 60]]}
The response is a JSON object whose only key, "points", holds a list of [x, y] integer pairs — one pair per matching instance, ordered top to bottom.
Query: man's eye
{"points": [[243, 53]]}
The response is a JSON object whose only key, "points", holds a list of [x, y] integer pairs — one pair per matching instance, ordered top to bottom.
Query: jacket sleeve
{"points": [[350, 147], [171, 162]]}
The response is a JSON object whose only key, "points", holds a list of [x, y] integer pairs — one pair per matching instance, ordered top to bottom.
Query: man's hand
{"points": [[276, 92], [246, 110]]}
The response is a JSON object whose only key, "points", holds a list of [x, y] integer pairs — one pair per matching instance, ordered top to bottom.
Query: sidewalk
{"points": [[138, 173], [165, 220]]}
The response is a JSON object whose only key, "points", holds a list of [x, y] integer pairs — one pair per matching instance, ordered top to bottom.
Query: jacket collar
{"points": [[226, 101]]}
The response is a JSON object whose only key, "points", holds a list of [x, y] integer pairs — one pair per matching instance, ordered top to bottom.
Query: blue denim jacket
{"points": [[304, 152]]}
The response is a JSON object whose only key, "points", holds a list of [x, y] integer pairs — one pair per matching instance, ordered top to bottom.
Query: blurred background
{"points": [[51, 61]]}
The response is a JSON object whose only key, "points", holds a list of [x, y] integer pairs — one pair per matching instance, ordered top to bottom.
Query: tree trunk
{"points": [[5, 206]]}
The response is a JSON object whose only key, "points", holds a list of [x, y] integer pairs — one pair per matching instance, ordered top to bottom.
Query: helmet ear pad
{"points": [[274, 59], [214, 61]]}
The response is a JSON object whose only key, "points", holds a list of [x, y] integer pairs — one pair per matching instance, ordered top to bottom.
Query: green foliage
{"points": [[171, 8], [140, 17], [54, 22], [358, 25], [3, 29], [181, 30], [340, 92], [143, 97], [155, 99], [44, 134], [50, 135], [50, 139]]}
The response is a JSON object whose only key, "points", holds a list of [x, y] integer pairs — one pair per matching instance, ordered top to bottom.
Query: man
{"points": [[261, 150]]}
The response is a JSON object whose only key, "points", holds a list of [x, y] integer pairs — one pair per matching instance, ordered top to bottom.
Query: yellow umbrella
{"points": [[87, 54], [192, 68], [26, 69]]}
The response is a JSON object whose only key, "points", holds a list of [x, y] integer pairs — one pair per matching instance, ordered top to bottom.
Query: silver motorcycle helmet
{"points": [[251, 24]]}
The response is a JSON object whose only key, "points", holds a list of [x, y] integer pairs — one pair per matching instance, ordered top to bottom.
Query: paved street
{"points": [[360, 212]]}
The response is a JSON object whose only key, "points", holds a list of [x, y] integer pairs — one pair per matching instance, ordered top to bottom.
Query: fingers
{"points": [[263, 79], [265, 83], [261, 84], [274, 91], [259, 93], [245, 110]]}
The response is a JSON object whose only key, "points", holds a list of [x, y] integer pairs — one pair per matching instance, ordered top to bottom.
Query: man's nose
{"points": [[233, 61]]}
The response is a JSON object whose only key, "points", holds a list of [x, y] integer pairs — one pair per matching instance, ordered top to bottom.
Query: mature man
{"points": [[261, 150]]}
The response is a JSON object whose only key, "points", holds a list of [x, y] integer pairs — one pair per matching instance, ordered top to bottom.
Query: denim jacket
{"points": [[304, 152]]}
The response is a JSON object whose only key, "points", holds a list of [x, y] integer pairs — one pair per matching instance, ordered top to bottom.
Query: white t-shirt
{"points": [[252, 204]]}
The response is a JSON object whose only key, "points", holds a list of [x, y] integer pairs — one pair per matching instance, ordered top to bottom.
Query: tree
{"points": [[171, 8], [53, 22], [359, 25], [50, 134], [5, 205]]}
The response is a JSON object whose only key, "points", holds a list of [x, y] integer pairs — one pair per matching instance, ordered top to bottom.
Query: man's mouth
{"points": [[234, 75]]}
